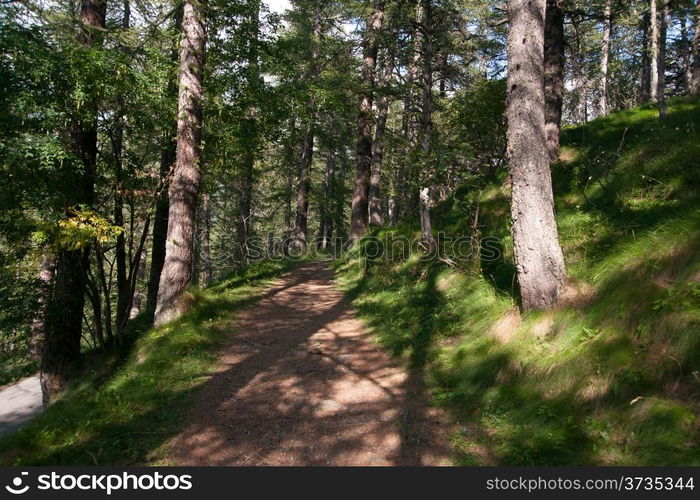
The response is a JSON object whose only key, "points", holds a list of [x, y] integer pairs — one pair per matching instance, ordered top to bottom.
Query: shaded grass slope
{"points": [[611, 376], [124, 409]]}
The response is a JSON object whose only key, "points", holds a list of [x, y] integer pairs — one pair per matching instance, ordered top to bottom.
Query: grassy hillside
{"points": [[612, 376], [125, 408]]}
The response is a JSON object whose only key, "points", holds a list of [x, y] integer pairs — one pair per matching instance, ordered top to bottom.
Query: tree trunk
{"points": [[423, 17], [654, 19], [686, 51], [605, 56], [661, 64], [443, 74], [553, 74], [695, 78], [645, 93], [249, 132], [167, 160], [289, 166], [185, 182], [245, 195], [339, 195], [397, 199], [375, 208], [359, 211], [325, 230], [298, 237], [206, 240], [297, 240], [120, 251], [538, 256], [106, 285], [43, 296], [137, 301], [64, 313]]}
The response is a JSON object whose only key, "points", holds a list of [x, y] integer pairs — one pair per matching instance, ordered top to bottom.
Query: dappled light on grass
{"points": [[610, 376], [125, 415]]}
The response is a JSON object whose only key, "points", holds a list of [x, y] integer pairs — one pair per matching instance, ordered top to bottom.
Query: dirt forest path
{"points": [[301, 382]]}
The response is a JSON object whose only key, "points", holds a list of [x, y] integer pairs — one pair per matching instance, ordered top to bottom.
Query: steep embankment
{"points": [[609, 377]]}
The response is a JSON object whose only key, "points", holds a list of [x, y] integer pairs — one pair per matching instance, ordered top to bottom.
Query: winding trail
{"points": [[301, 382]]}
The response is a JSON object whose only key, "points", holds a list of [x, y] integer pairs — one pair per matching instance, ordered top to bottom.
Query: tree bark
{"points": [[423, 17], [654, 19], [686, 48], [695, 52], [605, 56], [661, 64], [553, 74], [695, 78], [645, 84], [249, 132], [118, 153], [167, 160], [184, 186], [339, 195], [397, 200], [375, 206], [359, 211], [325, 230], [206, 240], [297, 240], [538, 256], [43, 296], [137, 302], [64, 313]]}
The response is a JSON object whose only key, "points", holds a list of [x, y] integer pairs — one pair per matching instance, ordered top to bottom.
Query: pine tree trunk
{"points": [[423, 16], [654, 19], [695, 49], [686, 51], [604, 58], [661, 64], [553, 74], [645, 83], [250, 134], [118, 152], [167, 161], [289, 167], [184, 186], [245, 195], [339, 196], [360, 198], [397, 200], [375, 206], [325, 230], [298, 237], [206, 240], [297, 240], [538, 256], [43, 296], [137, 301], [64, 312]]}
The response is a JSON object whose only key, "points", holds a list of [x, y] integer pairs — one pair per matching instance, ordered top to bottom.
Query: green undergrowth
{"points": [[612, 375], [124, 410]]}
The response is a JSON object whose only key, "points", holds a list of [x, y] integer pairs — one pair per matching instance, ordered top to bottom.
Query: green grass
{"points": [[609, 377], [124, 410]]}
